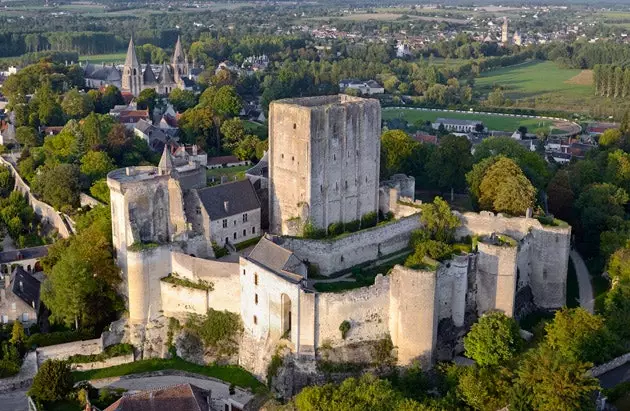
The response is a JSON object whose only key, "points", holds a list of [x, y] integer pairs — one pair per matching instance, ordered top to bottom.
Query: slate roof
{"points": [[101, 72], [165, 76], [148, 77], [212, 161], [261, 168], [240, 196], [23, 254], [276, 258], [25, 286], [182, 397]]}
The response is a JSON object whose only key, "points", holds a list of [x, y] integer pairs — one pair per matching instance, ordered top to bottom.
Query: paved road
{"points": [[584, 282], [13, 401]]}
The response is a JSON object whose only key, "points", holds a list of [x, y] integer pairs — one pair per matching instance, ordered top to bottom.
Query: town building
{"points": [[367, 87], [458, 125], [19, 296]]}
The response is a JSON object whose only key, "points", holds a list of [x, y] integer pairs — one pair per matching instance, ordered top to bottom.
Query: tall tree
{"points": [[444, 171], [505, 188]]}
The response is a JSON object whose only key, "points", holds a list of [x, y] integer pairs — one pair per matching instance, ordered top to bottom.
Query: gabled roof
{"points": [[148, 77], [166, 162], [225, 200], [276, 258], [25, 286], [182, 397]]}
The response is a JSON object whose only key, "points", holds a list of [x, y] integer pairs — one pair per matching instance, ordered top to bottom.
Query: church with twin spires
{"points": [[135, 77]]}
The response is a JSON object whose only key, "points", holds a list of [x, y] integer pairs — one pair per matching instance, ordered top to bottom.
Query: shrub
{"points": [[369, 220], [352, 226], [334, 229], [310, 231], [137, 247], [219, 251], [344, 328], [218, 330], [59, 337], [493, 340], [109, 352], [274, 367], [8, 368], [52, 382]]}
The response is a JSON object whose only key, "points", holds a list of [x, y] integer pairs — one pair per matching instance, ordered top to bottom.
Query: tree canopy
{"points": [[505, 189], [493, 340]]}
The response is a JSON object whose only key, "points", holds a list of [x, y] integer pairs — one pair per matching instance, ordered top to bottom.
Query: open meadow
{"points": [[118, 58]]}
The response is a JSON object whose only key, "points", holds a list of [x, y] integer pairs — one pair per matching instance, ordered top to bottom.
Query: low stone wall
{"points": [[43, 210], [333, 255], [64, 351], [110, 362], [610, 365], [24, 378]]}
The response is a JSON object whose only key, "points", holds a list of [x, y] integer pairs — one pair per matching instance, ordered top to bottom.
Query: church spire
{"points": [[178, 54], [131, 60], [166, 162]]}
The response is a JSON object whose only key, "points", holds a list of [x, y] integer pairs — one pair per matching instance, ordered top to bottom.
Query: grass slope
{"points": [[104, 58], [493, 122], [228, 373]]}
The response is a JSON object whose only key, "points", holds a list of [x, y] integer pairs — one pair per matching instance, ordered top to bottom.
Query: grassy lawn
{"points": [[104, 58], [492, 121], [257, 129], [231, 173], [364, 277], [228, 373]]}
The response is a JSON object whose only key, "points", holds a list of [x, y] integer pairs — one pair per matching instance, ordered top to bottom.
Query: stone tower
{"points": [[504, 32], [180, 62], [132, 72], [324, 158]]}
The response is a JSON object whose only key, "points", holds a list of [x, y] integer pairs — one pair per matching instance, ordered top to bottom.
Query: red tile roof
{"points": [[425, 138], [182, 397]]}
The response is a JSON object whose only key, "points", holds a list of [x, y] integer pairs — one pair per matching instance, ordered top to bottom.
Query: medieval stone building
{"points": [[323, 167]]}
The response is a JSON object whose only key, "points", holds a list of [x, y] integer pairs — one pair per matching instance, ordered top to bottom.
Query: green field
{"points": [[105, 58], [493, 122], [232, 173]]}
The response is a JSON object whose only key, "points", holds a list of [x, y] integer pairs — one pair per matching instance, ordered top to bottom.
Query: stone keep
{"points": [[324, 156]]}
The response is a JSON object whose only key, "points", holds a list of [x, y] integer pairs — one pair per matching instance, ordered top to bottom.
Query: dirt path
{"points": [[584, 282]]}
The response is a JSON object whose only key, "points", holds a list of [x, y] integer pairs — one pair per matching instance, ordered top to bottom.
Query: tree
{"points": [[111, 97], [496, 98], [147, 99], [182, 100], [227, 102], [45, 103], [77, 105], [198, 127], [95, 128], [522, 130], [233, 133], [27, 136], [610, 137], [248, 148], [396, 151], [95, 165], [618, 169], [446, 173], [475, 176], [58, 186], [505, 188], [100, 191], [560, 196], [600, 207], [438, 219], [619, 265], [81, 276], [617, 311], [18, 336], [580, 336], [493, 340], [52, 382], [553, 382], [485, 388], [365, 393]]}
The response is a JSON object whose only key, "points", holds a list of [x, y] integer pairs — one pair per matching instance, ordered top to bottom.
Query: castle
{"points": [[133, 78], [322, 168]]}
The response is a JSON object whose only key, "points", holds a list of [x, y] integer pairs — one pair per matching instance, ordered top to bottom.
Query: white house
{"points": [[368, 87], [457, 125]]}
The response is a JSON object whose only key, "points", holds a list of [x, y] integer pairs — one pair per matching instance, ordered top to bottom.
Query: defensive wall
{"points": [[44, 211], [348, 250]]}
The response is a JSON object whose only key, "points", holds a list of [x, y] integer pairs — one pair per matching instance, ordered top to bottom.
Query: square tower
{"points": [[324, 159]]}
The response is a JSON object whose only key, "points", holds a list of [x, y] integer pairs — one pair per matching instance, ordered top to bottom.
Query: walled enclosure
{"points": [[323, 161], [335, 255]]}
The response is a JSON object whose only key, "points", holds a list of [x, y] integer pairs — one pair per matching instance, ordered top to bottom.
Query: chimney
{"points": [[127, 171], [226, 205]]}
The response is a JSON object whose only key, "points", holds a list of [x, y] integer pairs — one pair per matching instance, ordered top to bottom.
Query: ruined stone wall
{"points": [[323, 160], [44, 211], [357, 248], [222, 274], [496, 278], [452, 285], [178, 300], [366, 308], [413, 315]]}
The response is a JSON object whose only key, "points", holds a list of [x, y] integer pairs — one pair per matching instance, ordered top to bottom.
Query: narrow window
{"points": [[294, 126], [282, 155], [346, 184], [245, 217], [234, 222], [225, 223], [253, 230], [244, 233], [234, 236], [244, 272], [255, 279], [255, 298], [255, 320]]}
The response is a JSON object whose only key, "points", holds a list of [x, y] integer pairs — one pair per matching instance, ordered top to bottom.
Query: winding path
{"points": [[584, 282]]}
